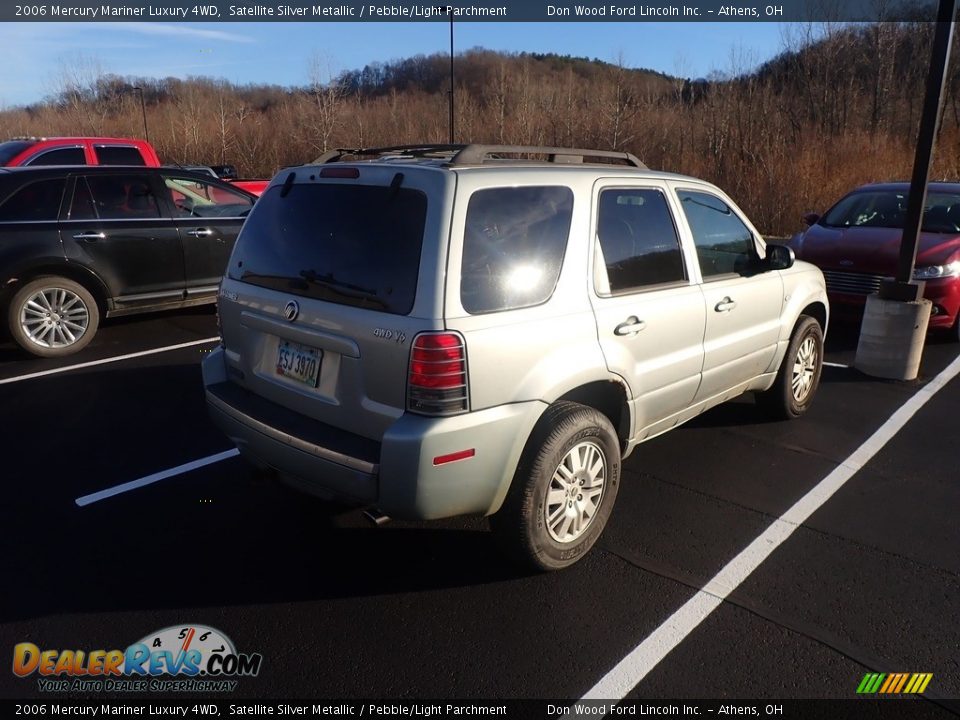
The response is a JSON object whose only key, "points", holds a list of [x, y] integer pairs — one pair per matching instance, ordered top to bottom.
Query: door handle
{"points": [[200, 232], [89, 236], [725, 305], [630, 326]]}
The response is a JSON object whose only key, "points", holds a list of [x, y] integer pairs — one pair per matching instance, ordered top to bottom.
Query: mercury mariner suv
{"points": [[444, 330]]}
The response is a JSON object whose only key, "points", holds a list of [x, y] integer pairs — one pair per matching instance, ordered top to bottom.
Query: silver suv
{"points": [[451, 330]]}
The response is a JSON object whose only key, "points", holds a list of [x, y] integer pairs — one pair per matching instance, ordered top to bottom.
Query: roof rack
{"points": [[474, 154]]}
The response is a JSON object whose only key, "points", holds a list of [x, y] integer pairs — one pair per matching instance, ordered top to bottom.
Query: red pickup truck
{"points": [[93, 151]]}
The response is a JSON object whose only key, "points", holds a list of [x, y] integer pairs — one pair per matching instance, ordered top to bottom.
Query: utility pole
{"points": [[143, 112]]}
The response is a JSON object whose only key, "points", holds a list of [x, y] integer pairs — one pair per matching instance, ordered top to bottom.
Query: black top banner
{"points": [[479, 11], [912, 709]]}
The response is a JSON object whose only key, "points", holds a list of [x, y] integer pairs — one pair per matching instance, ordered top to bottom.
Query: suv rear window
{"points": [[35, 201], [348, 244]]}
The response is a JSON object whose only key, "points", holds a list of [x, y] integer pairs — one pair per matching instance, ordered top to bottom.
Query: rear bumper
{"points": [[398, 474]]}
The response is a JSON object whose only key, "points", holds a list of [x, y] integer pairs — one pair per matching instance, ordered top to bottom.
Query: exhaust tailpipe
{"points": [[376, 517]]}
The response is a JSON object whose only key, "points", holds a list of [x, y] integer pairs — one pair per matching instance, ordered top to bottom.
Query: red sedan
{"points": [[856, 244]]}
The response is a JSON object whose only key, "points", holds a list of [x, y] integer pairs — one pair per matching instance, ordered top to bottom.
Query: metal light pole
{"points": [[450, 11], [143, 112], [903, 288], [895, 320]]}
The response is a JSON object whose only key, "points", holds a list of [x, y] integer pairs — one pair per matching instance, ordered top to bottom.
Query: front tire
{"points": [[53, 317], [799, 376], [563, 491]]}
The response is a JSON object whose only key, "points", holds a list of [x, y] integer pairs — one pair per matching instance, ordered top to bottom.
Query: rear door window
{"points": [[118, 155], [123, 197], [638, 241], [353, 245], [513, 247]]}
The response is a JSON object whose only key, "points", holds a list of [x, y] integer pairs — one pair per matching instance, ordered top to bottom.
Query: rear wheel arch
{"points": [[79, 274], [610, 398], [563, 490]]}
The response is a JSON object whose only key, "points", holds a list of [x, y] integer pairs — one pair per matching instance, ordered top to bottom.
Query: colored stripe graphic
{"points": [[894, 683], [899, 685]]}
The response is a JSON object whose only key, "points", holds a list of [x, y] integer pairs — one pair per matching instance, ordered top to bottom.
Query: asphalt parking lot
{"points": [[869, 582]]}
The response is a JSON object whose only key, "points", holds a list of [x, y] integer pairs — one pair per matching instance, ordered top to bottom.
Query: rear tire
{"points": [[53, 317], [797, 381], [563, 490]]}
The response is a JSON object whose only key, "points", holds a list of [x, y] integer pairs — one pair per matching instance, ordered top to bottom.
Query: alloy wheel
{"points": [[54, 317], [575, 492]]}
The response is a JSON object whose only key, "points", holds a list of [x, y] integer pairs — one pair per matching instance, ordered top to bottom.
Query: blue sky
{"points": [[35, 54]]}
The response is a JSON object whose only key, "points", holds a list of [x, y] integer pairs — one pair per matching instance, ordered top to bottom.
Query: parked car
{"points": [[33, 151], [81, 243], [857, 244], [445, 331]]}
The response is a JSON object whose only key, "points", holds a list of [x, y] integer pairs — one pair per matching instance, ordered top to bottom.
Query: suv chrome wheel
{"points": [[54, 317], [804, 369], [799, 374], [575, 492]]}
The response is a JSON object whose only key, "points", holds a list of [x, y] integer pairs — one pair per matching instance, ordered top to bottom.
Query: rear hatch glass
{"points": [[10, 149], [356, 245]]}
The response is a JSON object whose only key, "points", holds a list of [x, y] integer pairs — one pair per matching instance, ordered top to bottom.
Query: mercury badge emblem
{"points": [[291, 310]]}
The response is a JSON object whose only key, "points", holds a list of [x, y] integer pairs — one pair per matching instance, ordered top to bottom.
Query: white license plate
{"points": [[298, 362]]}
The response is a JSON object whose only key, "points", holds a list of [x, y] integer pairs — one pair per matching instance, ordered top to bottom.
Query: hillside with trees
{"points": [[839, 107]]}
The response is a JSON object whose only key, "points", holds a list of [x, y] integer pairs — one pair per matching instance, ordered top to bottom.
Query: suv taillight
{"points": [[437, 381]]}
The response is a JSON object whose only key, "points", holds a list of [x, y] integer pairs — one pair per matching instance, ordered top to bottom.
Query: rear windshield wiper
{"points": [[341, 286]]}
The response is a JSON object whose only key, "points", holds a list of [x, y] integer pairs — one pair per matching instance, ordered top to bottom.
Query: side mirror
{"points": [[810, 219], [780, 257]]}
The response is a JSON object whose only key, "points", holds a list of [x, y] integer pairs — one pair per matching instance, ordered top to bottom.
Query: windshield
{"points": [[10, 149], [888, 209], [348, 244]]}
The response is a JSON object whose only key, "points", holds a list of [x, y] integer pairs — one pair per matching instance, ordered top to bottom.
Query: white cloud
{"points": [[179, 31]]}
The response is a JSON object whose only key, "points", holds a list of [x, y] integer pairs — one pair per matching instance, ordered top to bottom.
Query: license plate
{"points": [[298, 362]]}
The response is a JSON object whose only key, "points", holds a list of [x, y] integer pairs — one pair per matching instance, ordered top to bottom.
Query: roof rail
{"points": [[474, 154]]}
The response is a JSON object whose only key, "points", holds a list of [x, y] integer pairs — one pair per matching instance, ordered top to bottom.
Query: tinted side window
{"points": [[118, 155], [60, 156], [123, 197], [196, 198], [37, 201], [638, 240], [724, 243], [349, 244], [513, 247]]}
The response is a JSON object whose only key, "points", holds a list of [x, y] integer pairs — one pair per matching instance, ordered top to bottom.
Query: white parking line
{"points": [[117, 358], [837, 365], [156, 477], [625, 676]]}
